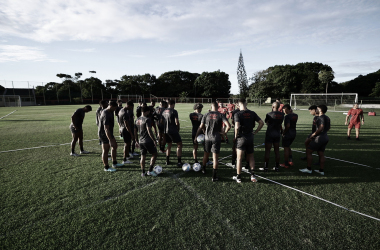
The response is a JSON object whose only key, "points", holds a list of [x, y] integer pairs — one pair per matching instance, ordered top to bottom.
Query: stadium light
{"points": [[92, 95]]}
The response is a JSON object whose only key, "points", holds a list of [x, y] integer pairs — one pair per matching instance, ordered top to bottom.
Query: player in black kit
{"points": [[103, 104], [196, 118], [274, 121], [244, 123], [160, 124], [212, 124], [76, 129], [126, 129], [171, 130], [288, 134], [318, 141], [147, 142]]}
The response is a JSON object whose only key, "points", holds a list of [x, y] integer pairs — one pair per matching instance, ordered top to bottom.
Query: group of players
{"points": [[214, 125]]}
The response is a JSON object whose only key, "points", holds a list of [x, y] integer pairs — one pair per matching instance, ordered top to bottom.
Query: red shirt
{"points": [[231, 107], [280, 108], [222, 110], [355, 115]]}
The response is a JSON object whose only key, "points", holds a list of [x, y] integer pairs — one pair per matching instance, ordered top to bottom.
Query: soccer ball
{"points": [[201, 138], [186, 167], [197, 167], [157, 169]]}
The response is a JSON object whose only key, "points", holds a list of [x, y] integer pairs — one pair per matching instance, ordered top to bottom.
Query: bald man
{"points": [[274, 121]]}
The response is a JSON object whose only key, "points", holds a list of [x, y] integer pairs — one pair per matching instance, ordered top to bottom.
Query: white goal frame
{"points": [[293, 97], [134, 98], [11, 100]]}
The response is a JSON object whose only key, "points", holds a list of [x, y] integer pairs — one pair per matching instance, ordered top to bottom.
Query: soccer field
{"points": [[51, 200]]}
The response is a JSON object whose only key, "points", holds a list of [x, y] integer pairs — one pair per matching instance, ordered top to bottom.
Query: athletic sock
{"points": [[133, 147], [81, 149], [73, 151], [167, 158], [291, 158], [124, 159], [179, 159], [196, 161], [233, 161], [114, 162], [286, 163], [266, 165], [106, 167], [151, 168], [308, 168], [321, 170], [143, 171], [214, 172], [252, 172], [238, 176]]}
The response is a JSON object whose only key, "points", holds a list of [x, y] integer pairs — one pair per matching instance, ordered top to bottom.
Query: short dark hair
{"points": [[120, 100], [241, 100], [153, 101], [103, 102], [171, 102], [130, 103], [164, 103], [113, 104], [144, 104], [198, 106], [286, 106], [313, 107], [89, 108], [323, 108], [145, 109]]}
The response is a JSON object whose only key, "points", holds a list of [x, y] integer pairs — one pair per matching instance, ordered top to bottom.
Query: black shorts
{"points": [[160, 129], [77, 130], [126, 136], [176, 138], [104, 139], [269, 139], [287, 141], [245, 144], [318, 144], [212, 146], [147, 147]]}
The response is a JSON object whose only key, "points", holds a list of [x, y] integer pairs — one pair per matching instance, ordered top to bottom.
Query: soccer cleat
{"points": [[348, 138], [357, 139], [84, 152], [134, 153], [74, 154], [130, 155], [304, 158], [126, 162], [209, 163], [179, 164], [117, 165], [230, 165], [284, 166], [109, 169], [276, 169], [203, 170], [305, 170], [319, 172], [152, 173], [143, 174], [253, 178], [215, 179], [236, 179]]}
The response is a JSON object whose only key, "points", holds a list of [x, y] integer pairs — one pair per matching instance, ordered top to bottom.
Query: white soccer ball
{"points": [[201, 138], [186, 167], [197, 167], [157, 169]]}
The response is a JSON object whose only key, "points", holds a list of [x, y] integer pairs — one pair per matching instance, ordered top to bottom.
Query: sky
{"points": [[41, 38]]}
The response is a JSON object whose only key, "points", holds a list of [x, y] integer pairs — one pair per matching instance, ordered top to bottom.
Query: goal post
{"points": [[127, 98], [12, 100], [304, 101]]}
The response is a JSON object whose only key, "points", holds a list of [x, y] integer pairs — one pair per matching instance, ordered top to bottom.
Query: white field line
{"points": [[8, 114], [21, 149], [319, 198]]}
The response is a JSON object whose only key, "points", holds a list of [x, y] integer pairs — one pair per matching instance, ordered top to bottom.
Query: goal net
{"points": [[127, 98], [12, 100], [336, 100]]}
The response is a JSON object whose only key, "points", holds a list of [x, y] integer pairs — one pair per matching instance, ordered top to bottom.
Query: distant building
{"points": [[17, 97]]}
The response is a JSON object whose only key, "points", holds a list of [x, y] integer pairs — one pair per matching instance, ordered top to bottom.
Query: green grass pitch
{"points": [[50, 200]]}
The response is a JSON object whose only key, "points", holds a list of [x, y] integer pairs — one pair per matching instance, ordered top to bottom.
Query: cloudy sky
{"points": [[40, 38]]}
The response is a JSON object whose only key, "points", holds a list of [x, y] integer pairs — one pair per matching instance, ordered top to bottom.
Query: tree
{"points": [[242, 77], [326, 77], [172, 83], [213, 84], [363, 85], [2, 88], [376, 90]]}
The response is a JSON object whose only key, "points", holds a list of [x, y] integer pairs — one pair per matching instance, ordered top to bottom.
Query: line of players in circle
{"points": [[210, 130]]}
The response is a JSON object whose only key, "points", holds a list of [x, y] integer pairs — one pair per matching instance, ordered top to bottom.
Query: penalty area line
{"points": [[8, 114], [21, 149], [314, 196]]}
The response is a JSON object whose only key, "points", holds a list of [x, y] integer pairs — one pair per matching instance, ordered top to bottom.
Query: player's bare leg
{"points": [[349, 133], [357, 133], [80, 139], [74, 142], [268, 147], [168, 149], [113, 150], [105, 151], [195, 152], [215, 158], [239, 158], [204, 162], [142, 164]]}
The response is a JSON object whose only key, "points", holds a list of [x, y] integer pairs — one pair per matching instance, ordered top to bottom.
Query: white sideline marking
{"points": [[8, 114], [21, 149], [337, 159], [319, 198]]}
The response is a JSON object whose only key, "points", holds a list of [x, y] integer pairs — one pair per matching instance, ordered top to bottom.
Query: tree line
{"points": [[169, 84]]}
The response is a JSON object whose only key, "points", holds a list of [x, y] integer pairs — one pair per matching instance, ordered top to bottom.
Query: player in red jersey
{"points": [[281, 105], [230, 109], [223, 110], [356, 115]]}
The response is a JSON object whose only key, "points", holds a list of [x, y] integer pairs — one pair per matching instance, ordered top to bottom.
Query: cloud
{"points": [[262, 22], [83, 50], [195, 52], [15, 53]]}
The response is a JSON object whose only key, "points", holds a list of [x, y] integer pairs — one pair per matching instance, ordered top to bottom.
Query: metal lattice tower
{"points": [[242, 77]]}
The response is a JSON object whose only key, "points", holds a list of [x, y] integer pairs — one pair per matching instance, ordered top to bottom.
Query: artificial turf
{"points": [[50, 200]]}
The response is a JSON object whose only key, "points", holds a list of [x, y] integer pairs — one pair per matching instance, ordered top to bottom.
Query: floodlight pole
{"points": [[93, 72]]}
